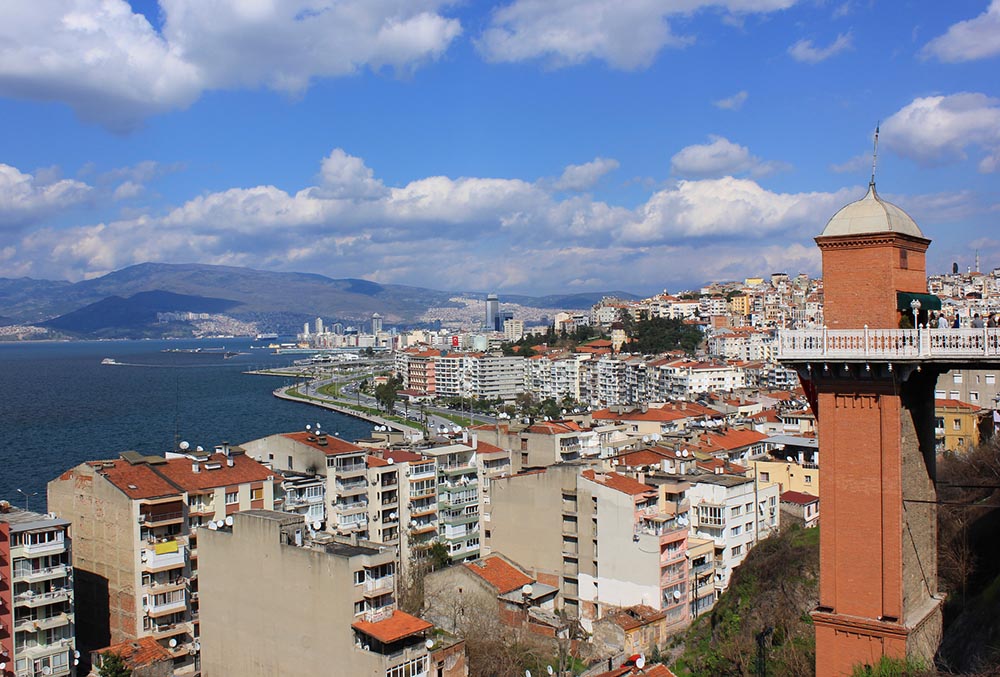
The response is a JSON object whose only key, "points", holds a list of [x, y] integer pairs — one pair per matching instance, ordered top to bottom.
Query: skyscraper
{"points": [[492, 310], [376, 324]]}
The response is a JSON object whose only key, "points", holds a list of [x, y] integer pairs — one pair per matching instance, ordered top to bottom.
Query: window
{"points": [[904, 262], [956, 378], [991, 379], [953, 394], [939, 395], [973, 396], [956, 424], [290, 463], [765, 477], [809, 479], [257, 494], [232, 497], [773, 501], [749, 507], [734, 511], [748, 526], [736, 531], [737, 550], [359, 577], [359, 608], [418, 666]]}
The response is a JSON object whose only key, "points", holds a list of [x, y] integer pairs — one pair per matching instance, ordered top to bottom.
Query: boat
{"points": [[265, 337], [109, 360]]}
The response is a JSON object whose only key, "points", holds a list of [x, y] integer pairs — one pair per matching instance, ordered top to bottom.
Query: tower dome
{"points": [[871, 214]]}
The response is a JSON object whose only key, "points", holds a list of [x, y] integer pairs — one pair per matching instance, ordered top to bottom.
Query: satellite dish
{"points": [[317, 426], [308, 427], [657, 437], [645, 439], [184, 445], [199, 448], [684, 453], [789, 459], [391, 461], [393, 515], [229, 521], [220, 524], [316, 525], [212, 526], [526, 590], [677, 594], [172, 642], [429, 643], [76, 654], [640, 662], [548, 669], [46, 670], [527, 673]]}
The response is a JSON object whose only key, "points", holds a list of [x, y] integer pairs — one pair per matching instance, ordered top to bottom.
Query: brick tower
{"points": [[875, 407]]}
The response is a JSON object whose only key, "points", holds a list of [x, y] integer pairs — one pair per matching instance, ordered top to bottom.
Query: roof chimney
{"points": [[195, 467]]}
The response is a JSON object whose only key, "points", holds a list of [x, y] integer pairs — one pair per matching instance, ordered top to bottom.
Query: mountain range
{"points": [[124, 301]]}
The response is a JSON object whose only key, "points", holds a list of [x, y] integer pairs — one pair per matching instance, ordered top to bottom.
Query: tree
{"points": [[660, 334], [386, 393], [112, 665]]}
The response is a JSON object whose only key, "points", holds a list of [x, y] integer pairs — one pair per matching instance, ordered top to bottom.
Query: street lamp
{"points": [[915, 306], [27, 497]]}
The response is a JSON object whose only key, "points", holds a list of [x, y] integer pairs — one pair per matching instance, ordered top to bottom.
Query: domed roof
{"points": [[871, 214]]}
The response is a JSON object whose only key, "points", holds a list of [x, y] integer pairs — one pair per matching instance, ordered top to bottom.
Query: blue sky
{"points": [[528, 146]]}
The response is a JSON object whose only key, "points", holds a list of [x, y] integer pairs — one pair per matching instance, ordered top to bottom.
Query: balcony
{"points": [[896, 345], [457, 468], [351, 469], [422, 471], [352, 488], [301, 501], [351, 508], [203, 509], [160, 519], [44, 548], [163, 556], [41, 574], [375, 587], [34, 600], [172, 607], [165, 630], [32, 650]]}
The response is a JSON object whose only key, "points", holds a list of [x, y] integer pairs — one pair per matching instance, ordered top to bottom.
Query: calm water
{"points": [[60, 406]]}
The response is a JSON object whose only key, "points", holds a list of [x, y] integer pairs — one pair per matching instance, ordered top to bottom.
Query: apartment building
{"points": [[415, 366], [557, 375], [688, 379], [973, 386], [959, 426], [792, 463], [343, 465], [458, 498], [418, 503], [734, 512], [136, 522], [619, 544], [322, 604], [37, 621]]}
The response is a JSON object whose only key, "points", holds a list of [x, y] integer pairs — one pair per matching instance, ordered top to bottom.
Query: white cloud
{"points": [[626, 35], [977, 38], [807, 52], [113, 68], [734, 102], [938, 129], [719, 157], [852, 166], [346, 176], [582, 177], [127, 190], [24, 201]]}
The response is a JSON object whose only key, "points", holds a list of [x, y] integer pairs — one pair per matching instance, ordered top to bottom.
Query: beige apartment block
{"points": [[136, 522], [278, 600], [37, 623]]}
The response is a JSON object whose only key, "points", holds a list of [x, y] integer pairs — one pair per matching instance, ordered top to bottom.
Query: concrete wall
{"points": [[105, 556], [269, 609]]}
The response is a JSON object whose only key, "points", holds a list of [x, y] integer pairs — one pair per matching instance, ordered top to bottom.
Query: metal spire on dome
{"points": [[874, 155]]}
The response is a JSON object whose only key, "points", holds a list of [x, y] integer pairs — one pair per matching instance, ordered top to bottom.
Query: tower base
{"points": [[845, 642]]}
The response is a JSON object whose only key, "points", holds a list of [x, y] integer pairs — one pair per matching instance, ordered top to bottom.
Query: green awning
{"points": [[927, 301]]}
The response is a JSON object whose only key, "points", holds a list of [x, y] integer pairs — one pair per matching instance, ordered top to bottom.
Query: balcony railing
{"points": [[893, 344], [42, 573], [34, 599]]}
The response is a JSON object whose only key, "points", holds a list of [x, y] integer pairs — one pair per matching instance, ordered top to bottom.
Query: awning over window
{"points": [[927, 301]]}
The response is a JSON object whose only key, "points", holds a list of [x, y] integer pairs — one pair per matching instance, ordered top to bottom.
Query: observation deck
{"points": [[967, 347]]}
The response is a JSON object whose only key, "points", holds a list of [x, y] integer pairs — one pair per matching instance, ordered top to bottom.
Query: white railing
{"points": [[888, 343]]}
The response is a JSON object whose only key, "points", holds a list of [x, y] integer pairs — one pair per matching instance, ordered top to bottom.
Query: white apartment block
{"points": [[734, 512], [37, 621]]}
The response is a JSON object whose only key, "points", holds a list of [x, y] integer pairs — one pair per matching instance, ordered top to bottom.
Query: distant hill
{"points": [[277, 301], [136, 315]]}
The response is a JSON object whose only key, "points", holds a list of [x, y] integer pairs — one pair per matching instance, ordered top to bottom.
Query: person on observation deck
{"points": [[942, 321], [977, 322], [992, 322], [956, 324]]}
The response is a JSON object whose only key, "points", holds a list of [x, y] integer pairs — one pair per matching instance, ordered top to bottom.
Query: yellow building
{"points": [[740, 305], [958, 425]]}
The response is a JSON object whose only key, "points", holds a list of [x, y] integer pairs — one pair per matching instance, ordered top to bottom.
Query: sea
{"points": [[60, 406]]}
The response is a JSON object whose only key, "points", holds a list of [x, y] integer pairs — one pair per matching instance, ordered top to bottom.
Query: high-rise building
{"points": [[492, 310], [502, 317], [376, 324], [319, 325], [135, 523], [36, 595]]}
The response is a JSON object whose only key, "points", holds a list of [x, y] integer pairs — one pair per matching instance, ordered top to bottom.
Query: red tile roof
{"points": [[957, 404], [554, 427], [732, 439], [334, 445], [400, 456], [641, 457], [376, 462], [245, 469], [135, 481], [621, 483], [798, 497], [500, 574], [636, 616], [399, 625], [139, 652], [658, 670]]}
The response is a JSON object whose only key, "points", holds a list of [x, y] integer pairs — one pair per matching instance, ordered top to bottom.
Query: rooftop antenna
{"points": [[875, 154]]}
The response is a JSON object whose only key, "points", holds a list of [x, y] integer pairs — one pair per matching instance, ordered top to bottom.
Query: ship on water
{"points": [[265, 337]]}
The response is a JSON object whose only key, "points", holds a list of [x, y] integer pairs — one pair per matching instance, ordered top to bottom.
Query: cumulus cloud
{"points": [[625, 35], [977, 38], [807, 52], [115, 69], [734, 102], [935, 130], [719, 157], [854, 165], [582, 177], [25, 201], [463, 232]]}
